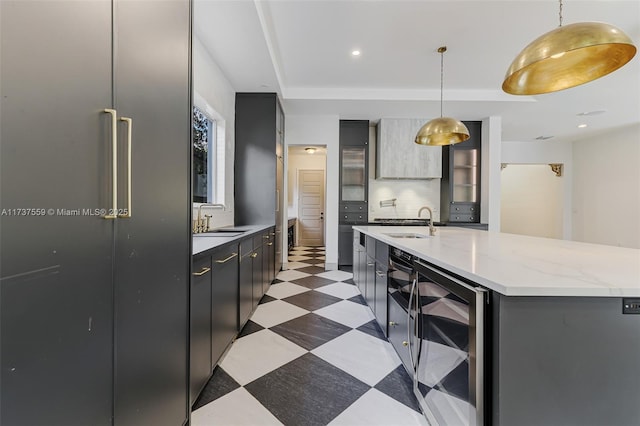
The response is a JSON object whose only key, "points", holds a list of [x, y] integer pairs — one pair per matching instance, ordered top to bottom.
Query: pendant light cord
{"points": [[560, 13], [441, 75]]}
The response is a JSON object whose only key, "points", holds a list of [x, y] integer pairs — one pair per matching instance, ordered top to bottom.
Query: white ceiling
{"points": [[302, 50]]}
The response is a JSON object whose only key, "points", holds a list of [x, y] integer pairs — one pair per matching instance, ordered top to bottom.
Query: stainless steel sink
{"points": [[222, 232], [405, 235]]}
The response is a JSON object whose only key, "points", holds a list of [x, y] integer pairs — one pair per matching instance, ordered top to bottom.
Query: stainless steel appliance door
{"points": [[400, 276], [448, 348]]}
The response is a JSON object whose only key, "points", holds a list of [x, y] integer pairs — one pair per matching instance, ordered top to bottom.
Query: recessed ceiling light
{"points": [[355, 53], [587, 113], [582, 126], [543, 138], [310, 150]]}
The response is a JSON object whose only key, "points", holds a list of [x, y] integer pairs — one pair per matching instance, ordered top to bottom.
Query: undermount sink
{"points": [[405, 235]]}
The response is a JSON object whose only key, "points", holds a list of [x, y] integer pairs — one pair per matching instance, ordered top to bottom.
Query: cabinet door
{"points": [[152, 87], [345, 245], [258, 276], [245, 283], [370, 284], [56, 294], [381, 295], [224, 301], [200, 319]]}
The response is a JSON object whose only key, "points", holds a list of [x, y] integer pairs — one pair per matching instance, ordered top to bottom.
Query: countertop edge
{"points": [[212, 243], [500, 287]]}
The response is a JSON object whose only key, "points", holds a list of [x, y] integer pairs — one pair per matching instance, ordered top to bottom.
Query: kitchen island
{"points": [[556, 347]]}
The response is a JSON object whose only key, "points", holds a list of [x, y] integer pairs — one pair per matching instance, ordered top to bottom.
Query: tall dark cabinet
{"points": [[259, 164], [354, 184], [460, 184], [94, 310]]}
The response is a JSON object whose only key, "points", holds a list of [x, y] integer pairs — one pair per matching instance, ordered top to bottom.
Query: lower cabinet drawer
{"points": [[353, 217], [455, 217], [398, 332]]}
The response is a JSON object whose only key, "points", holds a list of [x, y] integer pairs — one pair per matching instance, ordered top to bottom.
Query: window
{"points": [[204, 130]]}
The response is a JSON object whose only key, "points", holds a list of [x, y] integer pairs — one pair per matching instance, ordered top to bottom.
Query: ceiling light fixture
{"points": [[356, 53], [567, 57], [582, 126], [443, 130], [543, 138], [310, 150]]}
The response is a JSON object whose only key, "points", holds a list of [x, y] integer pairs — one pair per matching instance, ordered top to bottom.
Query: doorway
{"points": [[306, 194], [531, 201]]}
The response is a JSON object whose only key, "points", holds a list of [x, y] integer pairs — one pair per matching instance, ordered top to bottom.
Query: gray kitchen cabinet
{"points": [[399, 157], [259, 165], [353, 184], [460, 184], [258, 270], [245, 281], [380, 298], [224, 300], [89, 305], [200, 326]]}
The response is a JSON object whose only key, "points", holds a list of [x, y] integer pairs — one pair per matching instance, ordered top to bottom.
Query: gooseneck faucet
{"points": [[200, 225], [432, 229]]}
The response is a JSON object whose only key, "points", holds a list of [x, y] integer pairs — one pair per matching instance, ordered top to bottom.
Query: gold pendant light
{"points": [[567, 57], [443, 130]]}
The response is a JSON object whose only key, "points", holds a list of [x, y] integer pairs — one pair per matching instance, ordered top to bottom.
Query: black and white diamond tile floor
{"points": [[312, 353]]}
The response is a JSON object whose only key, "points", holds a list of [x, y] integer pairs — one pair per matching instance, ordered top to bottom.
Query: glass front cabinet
{"points": [[460, 189]]}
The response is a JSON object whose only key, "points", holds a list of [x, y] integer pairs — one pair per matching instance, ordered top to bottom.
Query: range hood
{"points": [[398, 157]]}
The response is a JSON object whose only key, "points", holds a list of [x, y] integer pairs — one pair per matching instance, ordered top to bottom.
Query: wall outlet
{"points": [[631, 306]]}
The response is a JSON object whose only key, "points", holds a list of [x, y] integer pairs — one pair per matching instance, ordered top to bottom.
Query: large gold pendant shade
{"points": [[568, 56], [444, 130]]}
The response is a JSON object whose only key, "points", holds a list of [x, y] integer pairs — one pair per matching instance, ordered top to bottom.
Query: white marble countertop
{"points": [[204, 242], [517, 265]]}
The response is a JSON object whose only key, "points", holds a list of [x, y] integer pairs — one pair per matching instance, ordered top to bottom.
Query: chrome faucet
{"points": [[200, 224], [432, 229]]}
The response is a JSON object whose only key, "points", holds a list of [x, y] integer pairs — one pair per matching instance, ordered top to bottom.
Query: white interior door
{"points": [[311, 208]]}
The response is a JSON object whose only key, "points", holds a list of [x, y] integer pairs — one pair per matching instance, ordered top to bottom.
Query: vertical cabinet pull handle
{"points": [[129, 122], [114, 169], [409, 335]]}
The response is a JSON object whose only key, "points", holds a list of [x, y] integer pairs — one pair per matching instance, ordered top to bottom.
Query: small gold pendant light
{"points": [[567, 57], [444, 130]]}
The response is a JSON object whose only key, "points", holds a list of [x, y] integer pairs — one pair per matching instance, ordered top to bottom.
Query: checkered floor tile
{"points": [[312, 353]]}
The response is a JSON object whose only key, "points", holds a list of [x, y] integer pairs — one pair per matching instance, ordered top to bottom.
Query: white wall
{"points": [[214, 95], [320, 130], [546, 152], [490, 158], [606, 182], [410, 194], [532, 200]]}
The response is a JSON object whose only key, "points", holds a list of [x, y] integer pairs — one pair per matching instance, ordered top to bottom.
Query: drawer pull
{"points": [[254, 255], [227, 259], [202, 272], [380, 274], [392, 323], [405, 343]]}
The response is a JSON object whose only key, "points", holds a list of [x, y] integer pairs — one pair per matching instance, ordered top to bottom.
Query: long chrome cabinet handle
{"points": [[129, 124], [114, 169], [227, 259], [202, 272], [413, 287]]}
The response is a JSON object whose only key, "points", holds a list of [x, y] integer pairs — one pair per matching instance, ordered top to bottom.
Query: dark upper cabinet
{"points": [[259, 164], [460, 184], [94, 312]]}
